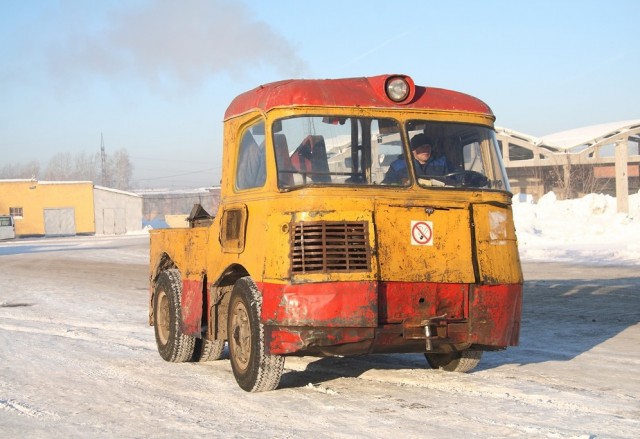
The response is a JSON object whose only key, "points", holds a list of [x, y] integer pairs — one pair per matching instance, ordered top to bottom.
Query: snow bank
{"points": [[586, 230]]}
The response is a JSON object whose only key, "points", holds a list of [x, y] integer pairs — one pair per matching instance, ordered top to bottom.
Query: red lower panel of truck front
{"points": [[363, 317]]}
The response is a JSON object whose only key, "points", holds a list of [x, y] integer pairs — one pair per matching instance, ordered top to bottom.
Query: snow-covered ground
{"points": [[77, 358]]}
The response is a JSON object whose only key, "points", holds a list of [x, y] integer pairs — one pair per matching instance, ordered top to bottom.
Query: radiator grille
{"points": [[330, 246]]}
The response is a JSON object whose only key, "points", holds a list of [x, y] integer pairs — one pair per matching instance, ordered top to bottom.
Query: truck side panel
{"points": [[186, 250]]}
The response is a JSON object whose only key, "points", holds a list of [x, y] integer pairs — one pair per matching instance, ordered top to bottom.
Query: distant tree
{"points": [[64, 166], [86, 166], [59, 168], [30, 170], [120, 170], [19, 171], [6, 172], [571, 180]]}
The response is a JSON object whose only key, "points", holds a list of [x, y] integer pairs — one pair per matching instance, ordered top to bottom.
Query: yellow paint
{"points": [[266, 215], [498, 257]]}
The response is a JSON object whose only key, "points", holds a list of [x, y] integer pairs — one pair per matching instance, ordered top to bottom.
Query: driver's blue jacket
{"points": [[435, 166]]}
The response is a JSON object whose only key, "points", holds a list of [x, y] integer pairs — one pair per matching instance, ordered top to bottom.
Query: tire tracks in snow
{"points": [[116, 334], [522, 390], [25, 409]]}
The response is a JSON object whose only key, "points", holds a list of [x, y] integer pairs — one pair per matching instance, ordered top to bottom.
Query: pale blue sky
{"points": [[155, 77]]}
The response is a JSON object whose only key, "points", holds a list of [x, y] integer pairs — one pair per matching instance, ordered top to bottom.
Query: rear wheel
{"points": [[173, 344], [207, 350], [455, 361], [253, 369]]}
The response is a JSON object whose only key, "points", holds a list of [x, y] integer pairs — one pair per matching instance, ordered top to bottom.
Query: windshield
{"points": [[333, 150], [455, 155]]}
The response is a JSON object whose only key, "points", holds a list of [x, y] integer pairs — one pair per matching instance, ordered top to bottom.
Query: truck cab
{"points": [[357, 216]]}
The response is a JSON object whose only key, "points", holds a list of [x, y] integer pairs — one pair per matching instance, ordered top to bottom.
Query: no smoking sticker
{"points": [[421, 233]]}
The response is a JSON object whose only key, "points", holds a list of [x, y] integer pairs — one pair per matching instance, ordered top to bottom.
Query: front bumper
{"points": [[348, 318]]}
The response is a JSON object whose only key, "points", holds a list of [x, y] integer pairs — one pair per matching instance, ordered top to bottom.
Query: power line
{"points": [[157, 159], [177, 175]]}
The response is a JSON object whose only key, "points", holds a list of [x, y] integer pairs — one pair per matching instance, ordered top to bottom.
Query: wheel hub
{"points": [[163, 319], [241, 336]]}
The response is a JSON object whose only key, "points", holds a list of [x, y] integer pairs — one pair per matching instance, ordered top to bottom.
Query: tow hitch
{"points": [[430, 329]]}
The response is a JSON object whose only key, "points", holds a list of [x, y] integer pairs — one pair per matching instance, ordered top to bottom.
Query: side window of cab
{"points": [[251, 170]]}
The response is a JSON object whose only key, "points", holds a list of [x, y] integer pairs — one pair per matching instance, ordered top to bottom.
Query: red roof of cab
{"points": [[350, 92]]}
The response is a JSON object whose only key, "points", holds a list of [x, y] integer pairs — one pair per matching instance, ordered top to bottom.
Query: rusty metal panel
{"points": [[356, 93], [233, 226], [428, 243], [496, 245], [417, 301], [330, 304], [191, 306], [494, 314], [334, 341]]}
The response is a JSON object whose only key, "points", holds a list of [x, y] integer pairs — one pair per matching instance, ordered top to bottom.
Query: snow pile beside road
{"points": [[584, 230]]}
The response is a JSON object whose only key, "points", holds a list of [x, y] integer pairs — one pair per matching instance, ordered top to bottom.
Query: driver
{"points": [[424, 163]]}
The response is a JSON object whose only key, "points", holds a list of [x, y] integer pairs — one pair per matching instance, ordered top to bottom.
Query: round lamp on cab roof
{"points": [[397, 88]]}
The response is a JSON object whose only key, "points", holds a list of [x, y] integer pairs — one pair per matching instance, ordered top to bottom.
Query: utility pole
{"points": [[103, 158]]}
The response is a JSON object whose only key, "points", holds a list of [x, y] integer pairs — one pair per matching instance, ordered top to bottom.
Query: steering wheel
{"points": [[465, 178]]}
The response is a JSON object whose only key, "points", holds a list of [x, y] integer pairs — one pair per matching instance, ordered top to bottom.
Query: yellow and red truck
{"points": [[357, 216]]}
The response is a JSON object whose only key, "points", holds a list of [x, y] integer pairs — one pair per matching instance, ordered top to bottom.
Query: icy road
{"points": [[77, 359]]}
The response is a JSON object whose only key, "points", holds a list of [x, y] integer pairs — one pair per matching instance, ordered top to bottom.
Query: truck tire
{"points": [[173, 344], [207, 350], [464, 361], [253, 369]]}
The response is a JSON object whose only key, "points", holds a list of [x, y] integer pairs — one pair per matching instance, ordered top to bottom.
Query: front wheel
{"points": [[464, 361], [254, 370]]}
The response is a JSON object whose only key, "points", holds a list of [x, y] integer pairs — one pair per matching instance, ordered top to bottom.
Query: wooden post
{"points": [[566, 173], [622, 177]]}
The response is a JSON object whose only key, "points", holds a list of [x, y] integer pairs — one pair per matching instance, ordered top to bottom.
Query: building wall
{"points": [[37, 197], [158, 204], [116, 212]]}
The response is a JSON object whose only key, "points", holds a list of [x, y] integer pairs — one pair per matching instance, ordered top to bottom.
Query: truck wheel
{"points": [[173, 344], [207, 350], [455, 361], [254, 370]]}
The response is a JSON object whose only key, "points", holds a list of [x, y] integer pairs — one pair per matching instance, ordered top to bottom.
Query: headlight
{"points": [[397, 88]]}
